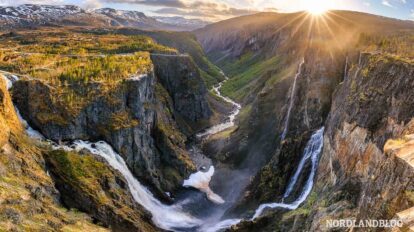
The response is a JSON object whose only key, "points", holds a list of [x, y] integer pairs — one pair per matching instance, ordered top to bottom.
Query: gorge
{"points": [[265, 122]]}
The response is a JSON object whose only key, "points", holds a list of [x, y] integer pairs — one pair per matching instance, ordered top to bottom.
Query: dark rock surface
{"points": [[181, 78], [137, 117], [359, 178], [89, 185]]}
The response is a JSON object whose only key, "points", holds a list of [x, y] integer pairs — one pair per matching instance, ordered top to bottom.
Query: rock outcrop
{"points": [[181, 78], [373, 105], [143, 117], [365, 169], [87, 183], [29, 199]]}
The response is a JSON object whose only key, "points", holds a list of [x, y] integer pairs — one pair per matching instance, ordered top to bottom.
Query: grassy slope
{"points": [[184, 42], [244, 73], [27, 193]]}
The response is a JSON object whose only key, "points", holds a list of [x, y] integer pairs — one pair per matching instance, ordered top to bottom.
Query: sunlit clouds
{"points": [[215, 10]]}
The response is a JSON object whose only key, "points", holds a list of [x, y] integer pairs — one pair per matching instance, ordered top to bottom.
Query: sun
{"points": [[318, 7]]}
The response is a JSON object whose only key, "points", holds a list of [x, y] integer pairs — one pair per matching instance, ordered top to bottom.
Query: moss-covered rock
{"points": [[90, 185], [28, 198]]}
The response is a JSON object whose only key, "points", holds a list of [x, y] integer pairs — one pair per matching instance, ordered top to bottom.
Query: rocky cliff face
{"points": [[181, 78], [311, 100], [373, 105], [137, 117], [361, 175], [85, 182], [29, 199]]}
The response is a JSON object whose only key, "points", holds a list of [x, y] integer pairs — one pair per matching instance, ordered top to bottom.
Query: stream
{"points": [[192, 210]]}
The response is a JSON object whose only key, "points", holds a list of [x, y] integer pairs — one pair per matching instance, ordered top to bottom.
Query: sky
{"points": [[214, 10]]}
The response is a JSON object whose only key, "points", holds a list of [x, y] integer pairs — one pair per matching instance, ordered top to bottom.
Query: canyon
{"points": [[266, 122]]}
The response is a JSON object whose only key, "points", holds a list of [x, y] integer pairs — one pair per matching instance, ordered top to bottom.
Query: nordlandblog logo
{"points": [[369, 223]]}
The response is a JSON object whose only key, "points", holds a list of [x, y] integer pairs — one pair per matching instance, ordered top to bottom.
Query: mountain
{"points": [[31, 15], [189, 24], [344, 73], [301, 120]]}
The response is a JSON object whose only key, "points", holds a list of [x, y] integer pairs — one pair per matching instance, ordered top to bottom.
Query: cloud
{"points": [[20, 2], [166, 3], [387, 3], [91, 4], [199, 8], [206, 9], [271, 9], [210, 13]]}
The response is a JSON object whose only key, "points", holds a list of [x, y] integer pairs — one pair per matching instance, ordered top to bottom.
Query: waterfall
{"points": [[359, 65], [346, 68], [10, 80], [291, 101], [230, 121], [313, 146], [312, 150], [164, 216], [173, 217]]}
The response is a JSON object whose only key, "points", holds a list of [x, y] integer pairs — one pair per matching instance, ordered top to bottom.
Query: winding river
{"points": [[182, 216]]}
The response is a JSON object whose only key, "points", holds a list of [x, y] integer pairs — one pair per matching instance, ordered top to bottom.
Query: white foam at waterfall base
{"points": [[201, 181], [164, 216], [221, 225]]}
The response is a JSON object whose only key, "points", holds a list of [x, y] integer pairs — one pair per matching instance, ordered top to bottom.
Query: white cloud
{"points": [[19, 2], [387, 3], [91, 4]]}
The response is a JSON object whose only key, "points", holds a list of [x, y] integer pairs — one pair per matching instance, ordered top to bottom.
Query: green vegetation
{"points": [[66, 42], [185, 43], [400, 44], [241, 65], [79, 67], [238, 86], [122, 120], [82, 170], [85, 177], [27, 192]]}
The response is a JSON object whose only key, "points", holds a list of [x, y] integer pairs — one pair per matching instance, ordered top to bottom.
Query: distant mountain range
{"points": [[30, 15]]}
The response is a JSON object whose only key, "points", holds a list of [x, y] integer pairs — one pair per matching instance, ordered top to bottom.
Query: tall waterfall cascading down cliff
{"points": [[291, 101], [313, 146], [313, 150], [164, 216], [167, 217], [174, 217]]}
